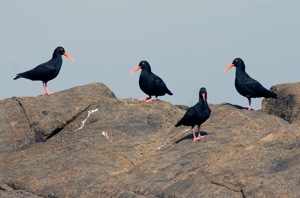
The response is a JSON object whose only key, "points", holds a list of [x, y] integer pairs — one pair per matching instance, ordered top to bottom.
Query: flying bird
{"points": [[48, 70], [150, 84], [247, 86], [197, 114]]}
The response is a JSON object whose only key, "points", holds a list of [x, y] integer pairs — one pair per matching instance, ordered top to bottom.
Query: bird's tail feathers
{"points": [[17, 77], [169, 92], [272, 95], [178, 124]]}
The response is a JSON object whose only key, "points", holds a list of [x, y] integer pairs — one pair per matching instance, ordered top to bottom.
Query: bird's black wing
{"points": [[41, 71], [159, 82], [160, 85], [252, 85], [247, 86], [258, 90], [188, 118]]}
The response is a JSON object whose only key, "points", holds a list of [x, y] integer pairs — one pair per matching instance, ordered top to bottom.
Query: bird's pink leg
{"points": [[46, 90], [249, 106], [193, 130], [199, 135]]}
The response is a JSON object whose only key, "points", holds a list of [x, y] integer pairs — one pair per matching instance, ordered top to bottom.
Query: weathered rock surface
{"points": [[287, 106], [25, 121], [85, 142]]}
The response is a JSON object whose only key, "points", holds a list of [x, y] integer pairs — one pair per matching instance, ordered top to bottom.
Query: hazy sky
{"points": [[187, 43]]}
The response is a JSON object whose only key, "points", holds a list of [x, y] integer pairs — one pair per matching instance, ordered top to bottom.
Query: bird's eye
{"points": [[61, 49], [236, 60]]}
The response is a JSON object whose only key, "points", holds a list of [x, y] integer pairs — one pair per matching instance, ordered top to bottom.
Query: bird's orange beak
{"points": [[68, 56], [229, 67], [137, 68], [203, 96]]}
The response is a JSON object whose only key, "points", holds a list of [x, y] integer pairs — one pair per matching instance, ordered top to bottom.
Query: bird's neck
{"points": [[56, 55], [57, 59], [240, 69], [146, 70], [201, 102], [203, 105]]}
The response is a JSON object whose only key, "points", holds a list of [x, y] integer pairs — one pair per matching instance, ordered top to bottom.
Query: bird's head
{"points": [[61, 51], [238, 63], [142, 65], [203, 94]]}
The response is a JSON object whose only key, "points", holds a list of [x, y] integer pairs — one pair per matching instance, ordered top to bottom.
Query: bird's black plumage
{"points": [[48, 70], [151, 84], [247, 86], [197, 114]]}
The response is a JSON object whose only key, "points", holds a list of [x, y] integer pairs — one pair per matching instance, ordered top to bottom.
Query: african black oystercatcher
{"points": [[48, 70], [150, 83], [247, 86], [197, 114]]}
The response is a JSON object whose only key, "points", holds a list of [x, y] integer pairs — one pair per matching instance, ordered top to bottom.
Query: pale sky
{"points": [[187, 43]]}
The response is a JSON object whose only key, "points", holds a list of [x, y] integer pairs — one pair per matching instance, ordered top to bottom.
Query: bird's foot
{"points": [[49, 93], [143, 99], [150, 100], [249, 108], [198, 138]]}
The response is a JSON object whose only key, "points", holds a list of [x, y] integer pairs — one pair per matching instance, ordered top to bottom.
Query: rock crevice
{"points": [[24, 111]]}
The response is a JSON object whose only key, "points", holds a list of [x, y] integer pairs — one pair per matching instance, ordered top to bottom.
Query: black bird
{"points": [[48, 70], [150, 83], [247, 86], [197, 114]]}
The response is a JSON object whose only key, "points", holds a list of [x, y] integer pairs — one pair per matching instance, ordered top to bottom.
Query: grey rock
{"points": [[287, 106], [110, 147]]}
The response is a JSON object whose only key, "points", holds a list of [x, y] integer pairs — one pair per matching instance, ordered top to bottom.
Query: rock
{"points": [[287, 106], [49, 115], [28, 120], [15, 130], [110, 147], [7, 191]]}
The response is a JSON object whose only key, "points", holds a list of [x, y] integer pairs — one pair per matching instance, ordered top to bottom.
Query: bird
{"points": [[48, 70], [150, 84], [247, 86], [197, 114]]}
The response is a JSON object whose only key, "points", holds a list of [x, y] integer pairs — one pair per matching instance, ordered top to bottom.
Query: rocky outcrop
{"points": [[287, 106], [25, 121], [85, 142]]}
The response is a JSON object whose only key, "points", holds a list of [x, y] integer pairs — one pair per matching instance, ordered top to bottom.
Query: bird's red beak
{"points": [[68, 56], [229, 67], [137, 68], [203, 96]]}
